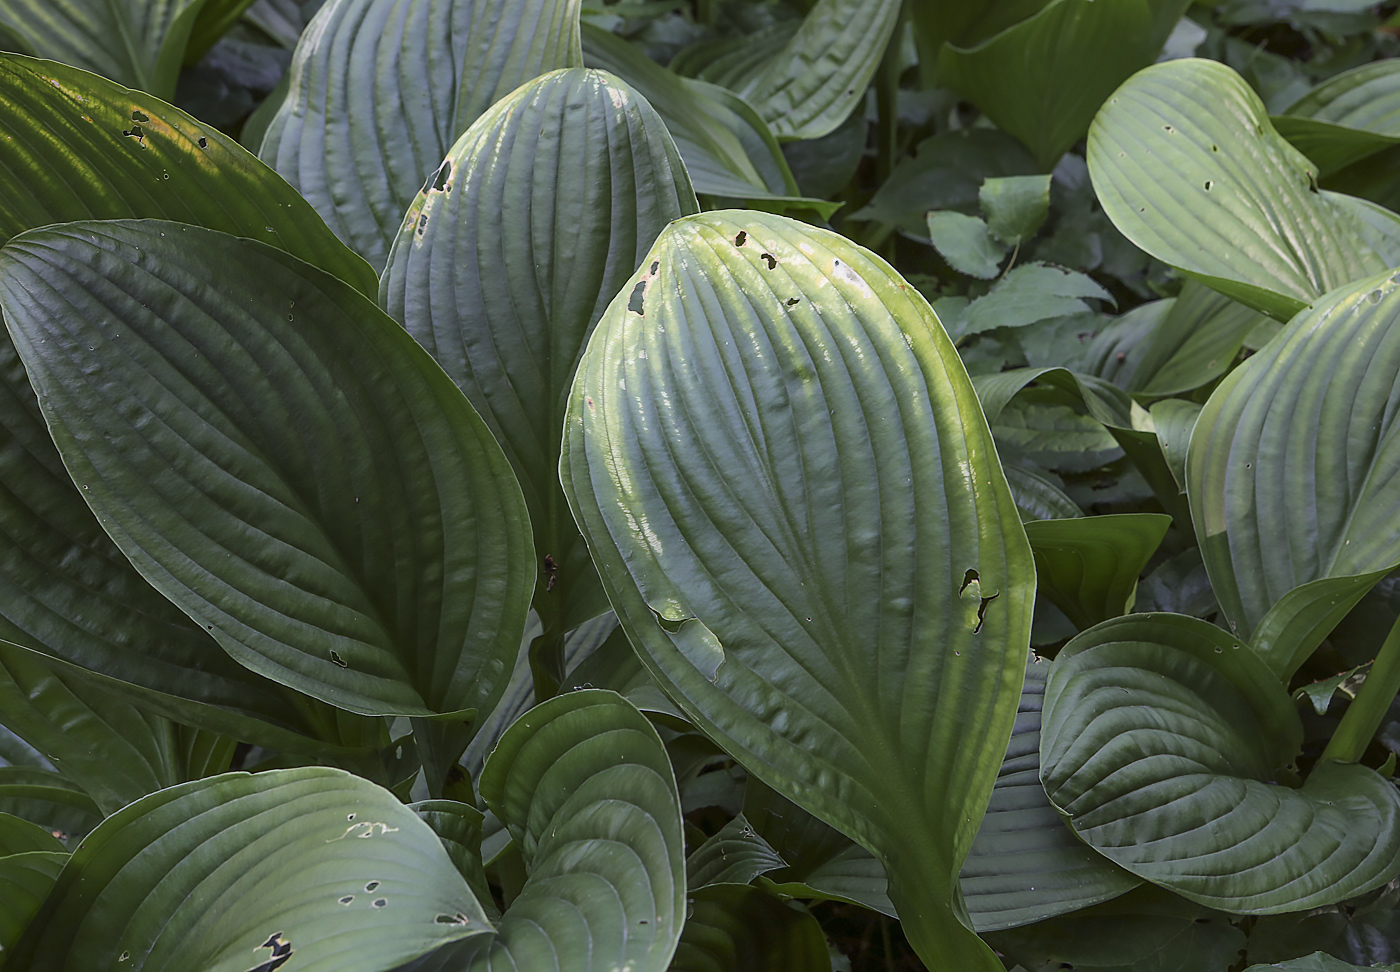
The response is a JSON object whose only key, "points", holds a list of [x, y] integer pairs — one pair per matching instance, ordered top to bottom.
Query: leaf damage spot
{"points": [[139, 116], [136, 132], [203, 142], [441, 176], [1209, 184], [741, 238], [770, 261], [655, 267], [793, 301], [637, 302], [551, 572], [982, 611], [335, 657], [365, 829], [371, 886], [349, 898], [379, 903], [457, 919], [281, 953]]}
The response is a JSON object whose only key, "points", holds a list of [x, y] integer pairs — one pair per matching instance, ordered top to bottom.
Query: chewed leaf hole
{"points": [[139, 116], [203, 142], [443, 173], [1209, 184], [741, 238], [770, 260], [655, 267], [793, 301], [637, 302], [969, 579], [982, 611], [335, 657], [371, 886], [347, 899], [379, 902], [457, 919], [281, 953], [123, 956]]}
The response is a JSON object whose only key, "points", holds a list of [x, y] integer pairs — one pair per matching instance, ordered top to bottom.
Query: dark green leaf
{"points": [[1194, 343], [734, 438], [319, 497], [1037, 498], [1089, 566], [1162, 736], [49, 799], [735, 855], [1026, 864], [237, 870], [25, 881], [732, 928], [1316, 962]]}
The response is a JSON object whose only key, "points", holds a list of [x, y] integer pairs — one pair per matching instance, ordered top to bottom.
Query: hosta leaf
{"points": [[213, 21], [138, 43], [1043, 79], [805, 83], [380, 89], [1347, 117], [728, 149], [1188, 166], [507, 259], [1192, 344], [1174, 419], [749, 431], [1292, 466], [319, 496], [1037, 498], [1088, 566], [67, 590], [1161, 738], [115, 751], [584, 786], [49, 799], [458, 826], [19, 836], [735, 855], [1025, 864], [226, 873], [25, 881], [732, 928], [1147, 930], [1316, 962]]}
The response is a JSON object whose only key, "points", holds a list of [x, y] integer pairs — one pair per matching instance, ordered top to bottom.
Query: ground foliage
{"points": [[789, 485]]}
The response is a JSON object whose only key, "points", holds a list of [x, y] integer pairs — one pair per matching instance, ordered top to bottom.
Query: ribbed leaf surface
{"points": [[138, 43], [817, 76], [1043, 78], [380, 89], [1347, 117], [1188, 166], [507, 259], [1192, 344], [766, 427], [279, 458], [1292, 469], [67, 590], [1161, 737], [115, 751], [585, 788], [735, 855], [1026, 865], [228, 874], [25, 881], [732, 928]]}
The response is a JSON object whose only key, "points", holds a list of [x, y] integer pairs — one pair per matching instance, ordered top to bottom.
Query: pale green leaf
{"points": [[1015, 206], [966, 243], [1089, 566]]}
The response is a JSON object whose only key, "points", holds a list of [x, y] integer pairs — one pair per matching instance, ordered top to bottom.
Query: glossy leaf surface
{"points": [[380, 89], [1347, 117], [1188, 166], [507, 259], [767, 424], [1292, 465], [319, 497], [1161, 739], [735, 855], [230, 872]]}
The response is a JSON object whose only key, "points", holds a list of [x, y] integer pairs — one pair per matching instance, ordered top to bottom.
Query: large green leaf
{"points": [[139, 43], [1043, 79], [805, 82], [381, 89], [1347, 117], [728, 149], [1188, 166], [507, 259], [1194, 342], [766, 426], [279, 458], [1292, 469], [1088, 566], [68, 591], [1161, 740], [115, 751], [584, 786], [45, 797], [19, 836], [1026, 865], [231, 872], [25, 881], [732, 928], [1316, 962]]}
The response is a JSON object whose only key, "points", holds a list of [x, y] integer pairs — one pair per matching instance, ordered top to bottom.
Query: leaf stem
{"points": [[1363, 717]]}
